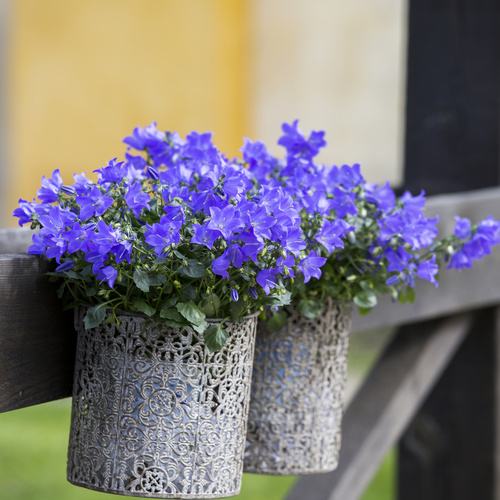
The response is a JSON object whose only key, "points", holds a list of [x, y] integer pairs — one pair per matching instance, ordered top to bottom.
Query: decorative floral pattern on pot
{"points": [[155, 413], [294, 424]]}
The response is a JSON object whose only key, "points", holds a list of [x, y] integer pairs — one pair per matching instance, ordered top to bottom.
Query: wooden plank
{"points": [[452, 105], [16, 240], [458, 290], [37, 339], [385, 404], [450, 449]]}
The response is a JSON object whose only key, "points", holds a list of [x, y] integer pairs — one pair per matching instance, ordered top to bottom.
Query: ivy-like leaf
{"points": [[193, 269], [141, 279], [157, 279], [90, 291], [189, 293], [365, 299], [209, 304], [143, 307], [309, 308], [191, 312], [173, 314], [94, 317], [215, 337]]}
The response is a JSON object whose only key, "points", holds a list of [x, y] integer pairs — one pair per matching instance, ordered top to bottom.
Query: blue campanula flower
{"points": [[148, 137], [294, 141], [260, 162], [112, 172], [350, 177], [82, 185], [49, 191], [382, 196], [136, 199], [343, 203], [93, 204], [24, 212], [56, 221], [226, 221], [462, 227], [331, 234], [162, 235], [204, 236], [78, 238], [105, 238], [293, 241], [252, 246], [398, 260], [459, 260], [220, 265], [285, 265], [65, 266], [310, 266], [428, 269], [108, 274], [267, 279], [253, 293]]}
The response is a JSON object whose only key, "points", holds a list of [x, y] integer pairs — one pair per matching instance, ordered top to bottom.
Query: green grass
{"points": [[33, 444]]}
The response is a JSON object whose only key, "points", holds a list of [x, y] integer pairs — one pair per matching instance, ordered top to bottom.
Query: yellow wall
{"points": [[82, 74]]}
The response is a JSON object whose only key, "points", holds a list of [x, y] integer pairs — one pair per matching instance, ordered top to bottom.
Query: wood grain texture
{"points": [[452, 105], [15, 240], [37, 339], [384, 406]]}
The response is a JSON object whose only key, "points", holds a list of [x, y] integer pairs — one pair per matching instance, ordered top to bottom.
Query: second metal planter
{"points": [[296, 405]]}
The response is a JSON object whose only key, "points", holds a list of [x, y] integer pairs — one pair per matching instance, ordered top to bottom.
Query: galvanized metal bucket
{"points": [[155, 414], [294, 424]]}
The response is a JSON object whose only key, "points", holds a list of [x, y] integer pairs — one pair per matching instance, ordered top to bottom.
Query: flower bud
{"points": [[177, 284], [253, 293], [234, 295]]}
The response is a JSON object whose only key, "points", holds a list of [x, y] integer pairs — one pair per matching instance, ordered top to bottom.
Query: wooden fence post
{"points": [[450, 450]]}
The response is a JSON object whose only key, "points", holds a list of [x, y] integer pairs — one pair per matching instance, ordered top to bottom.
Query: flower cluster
{"points": [[176, 232], [179, 232], [374, 242]]}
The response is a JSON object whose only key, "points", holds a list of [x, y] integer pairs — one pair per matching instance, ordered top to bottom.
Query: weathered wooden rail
{"points": [[37, 349]]}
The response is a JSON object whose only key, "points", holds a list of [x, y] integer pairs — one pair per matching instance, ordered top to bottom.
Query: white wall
{"points": [[338, 66]]}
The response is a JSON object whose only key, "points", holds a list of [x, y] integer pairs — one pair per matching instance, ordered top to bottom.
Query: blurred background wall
{"points": [[76, 77]]}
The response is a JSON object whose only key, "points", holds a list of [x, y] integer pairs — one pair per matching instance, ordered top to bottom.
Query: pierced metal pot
{"points": [[299, 375], [155, 414]]}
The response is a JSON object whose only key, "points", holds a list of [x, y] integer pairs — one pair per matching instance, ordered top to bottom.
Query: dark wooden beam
{"points": [[453, 97], [37, 339], [384, 406], [451, 449]]}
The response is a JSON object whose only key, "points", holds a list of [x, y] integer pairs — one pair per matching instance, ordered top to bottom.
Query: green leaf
{"points": [[179, 255], [160, 261], [193, 269], [86, 271], [72, 274], [141, 279], [157, 280], [60, 290], [91, 291], [189, 293], [410, 294], [365, 299], [170, 302], [209, 304], [143, 307], [309, 308], [238, 309], [191, 312], [173, 314], [94, 317], [277, 321], [201, 327], [215, 337]]}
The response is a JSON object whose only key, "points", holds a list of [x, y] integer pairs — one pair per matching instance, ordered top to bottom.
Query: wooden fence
{"points": [[433, 390]]}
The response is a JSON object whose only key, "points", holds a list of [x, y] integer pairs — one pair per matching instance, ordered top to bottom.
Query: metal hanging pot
{"points": [[296, 405], [155, 414]]}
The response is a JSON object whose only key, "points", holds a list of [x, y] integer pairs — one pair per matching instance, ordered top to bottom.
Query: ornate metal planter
{"points": [[155, 414], [294, 424]]}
